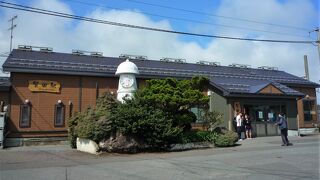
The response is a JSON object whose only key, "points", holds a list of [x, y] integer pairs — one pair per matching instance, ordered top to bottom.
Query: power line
{"points": [[219, 16], [82, 18], [186, 20], [4, 54]]}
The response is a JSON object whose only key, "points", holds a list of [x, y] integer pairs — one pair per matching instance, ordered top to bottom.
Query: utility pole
{"points": [[11, 29], [318, 40], [306, 67]]}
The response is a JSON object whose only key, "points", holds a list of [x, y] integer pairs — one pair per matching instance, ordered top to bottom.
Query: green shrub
{"points": [[212, 119], [86, 124], [94, 124], [150, 124], [104, 125], [72, 133], [190, 136], [198, 136], [208, 136], [229, 138]]}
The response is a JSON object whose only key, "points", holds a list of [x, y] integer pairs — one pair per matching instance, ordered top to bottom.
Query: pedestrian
{"points": [[239, 120], [234, 122], [247, 126], [283, 126]]}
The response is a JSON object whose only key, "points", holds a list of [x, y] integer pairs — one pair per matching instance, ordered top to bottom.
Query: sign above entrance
{"points": [[44, 86]]}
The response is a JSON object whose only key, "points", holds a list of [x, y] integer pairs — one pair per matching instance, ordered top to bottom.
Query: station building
{"points": [[45, 88]]}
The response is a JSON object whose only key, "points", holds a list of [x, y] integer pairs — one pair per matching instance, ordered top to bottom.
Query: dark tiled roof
{"points": [[231, 80], [5, 83]]}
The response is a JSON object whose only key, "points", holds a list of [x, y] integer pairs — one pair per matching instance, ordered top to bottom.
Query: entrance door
{"points": [[263, 119]]}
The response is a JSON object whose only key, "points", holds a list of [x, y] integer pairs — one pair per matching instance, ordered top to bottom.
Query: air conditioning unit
{"points": [[25, 47], [46, 49], [77, 52], [96, 54]]}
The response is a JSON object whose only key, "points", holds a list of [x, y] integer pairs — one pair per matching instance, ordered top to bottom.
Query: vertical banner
{"points": [[236, 107]]}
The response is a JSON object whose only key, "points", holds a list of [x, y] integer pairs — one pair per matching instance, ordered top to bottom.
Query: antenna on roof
{"points": [[130, 56], [176, 60], [208, 63], [240, 65], [268, 68]]}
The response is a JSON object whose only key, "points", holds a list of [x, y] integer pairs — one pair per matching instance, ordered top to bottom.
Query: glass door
{"points": [[263, 118]]}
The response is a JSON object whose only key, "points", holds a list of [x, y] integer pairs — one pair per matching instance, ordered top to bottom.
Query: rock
{"points": [[122, 144], [86, 145]]}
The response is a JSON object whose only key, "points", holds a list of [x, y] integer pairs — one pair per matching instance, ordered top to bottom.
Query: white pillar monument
{"points": [[127, 81]]}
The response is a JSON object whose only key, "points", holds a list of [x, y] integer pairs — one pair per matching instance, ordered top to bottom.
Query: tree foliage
{"points": [[176, 97], [158, 115], [212, 119], [93, 123], [150, 124]]}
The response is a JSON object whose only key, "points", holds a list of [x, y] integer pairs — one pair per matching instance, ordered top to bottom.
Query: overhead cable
{"points": [[220, 16], [82, 18], [186, 20]]}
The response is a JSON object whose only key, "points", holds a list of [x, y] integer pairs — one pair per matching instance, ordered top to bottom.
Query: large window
{"points": [[309, 110], [59, 112], [264, 113], [25, 115]]}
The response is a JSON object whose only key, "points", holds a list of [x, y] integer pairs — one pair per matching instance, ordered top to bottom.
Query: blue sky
{"points": [[154, 11], [65, 34]]}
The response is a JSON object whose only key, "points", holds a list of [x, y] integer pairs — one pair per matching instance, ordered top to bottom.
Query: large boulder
{"points": [[122, 144]]}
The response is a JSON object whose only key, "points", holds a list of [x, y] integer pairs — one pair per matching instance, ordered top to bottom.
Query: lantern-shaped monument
{"points": [[127, 81]]}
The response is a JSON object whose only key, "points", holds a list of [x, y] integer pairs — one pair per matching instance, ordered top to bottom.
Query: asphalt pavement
{"points": [[260, 158]]}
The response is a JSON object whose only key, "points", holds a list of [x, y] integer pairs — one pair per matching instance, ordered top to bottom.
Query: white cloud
{"points": [[65, 34]]}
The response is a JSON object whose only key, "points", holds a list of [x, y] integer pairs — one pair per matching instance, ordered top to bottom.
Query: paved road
{"points": [[259, 158]]}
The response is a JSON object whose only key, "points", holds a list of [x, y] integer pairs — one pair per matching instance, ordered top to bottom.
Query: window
{"points": [[309, 110], [264, 113], [199, 114], [25, 115], [59, 115]]}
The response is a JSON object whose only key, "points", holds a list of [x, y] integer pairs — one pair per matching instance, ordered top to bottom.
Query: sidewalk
{"points": [[276, 141], [247, 143]]}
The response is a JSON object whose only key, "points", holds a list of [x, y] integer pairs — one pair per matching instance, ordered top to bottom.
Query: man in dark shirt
{"points": [[283, 126]]}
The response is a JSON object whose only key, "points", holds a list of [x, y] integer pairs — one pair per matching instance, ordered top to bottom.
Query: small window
{"points": [[309, 110], [25, 115], [59, 115]]}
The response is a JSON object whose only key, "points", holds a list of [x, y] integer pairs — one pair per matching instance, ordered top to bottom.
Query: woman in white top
{"points": [[239, 120]]}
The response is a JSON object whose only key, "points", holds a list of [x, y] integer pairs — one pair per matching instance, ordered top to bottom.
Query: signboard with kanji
{"points": [[44, 86]]}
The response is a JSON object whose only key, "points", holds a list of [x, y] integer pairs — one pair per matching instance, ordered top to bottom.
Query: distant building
{"points": [[45, 88]]}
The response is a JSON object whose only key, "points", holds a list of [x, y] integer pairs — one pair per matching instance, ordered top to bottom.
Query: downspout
{"points": [[80, 93]]}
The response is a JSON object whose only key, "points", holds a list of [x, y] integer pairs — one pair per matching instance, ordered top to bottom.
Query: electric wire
{"points": [[215, 15], [69, 16], [187, 20]]}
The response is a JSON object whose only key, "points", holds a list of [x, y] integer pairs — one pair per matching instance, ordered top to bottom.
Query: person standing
{"points": [[239, 120], [234, 122], [247, 126], [283, 126]]}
